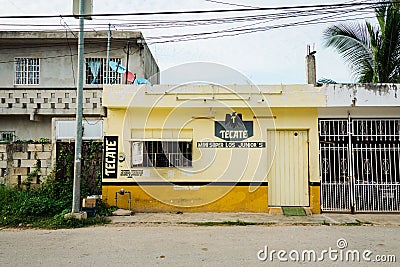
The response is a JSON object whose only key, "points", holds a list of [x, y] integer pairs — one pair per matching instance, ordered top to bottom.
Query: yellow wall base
{"points": [[204, 199], [315, 199]]}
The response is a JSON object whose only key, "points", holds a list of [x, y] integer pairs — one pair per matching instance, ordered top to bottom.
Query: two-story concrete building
{"points": [[38, 77], [38, 81]]}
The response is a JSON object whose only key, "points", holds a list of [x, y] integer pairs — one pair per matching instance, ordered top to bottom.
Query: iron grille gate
{"points": [[360, 164]]}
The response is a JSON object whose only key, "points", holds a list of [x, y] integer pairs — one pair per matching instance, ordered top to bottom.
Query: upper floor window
{"points": [[27, 70], [96, 71]]}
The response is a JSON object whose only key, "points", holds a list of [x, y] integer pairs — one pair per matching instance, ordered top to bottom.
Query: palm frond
{"points": [[353, 43], [388, 57]]}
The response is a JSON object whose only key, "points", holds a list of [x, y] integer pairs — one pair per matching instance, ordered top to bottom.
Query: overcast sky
{"points": [[266, 57]]}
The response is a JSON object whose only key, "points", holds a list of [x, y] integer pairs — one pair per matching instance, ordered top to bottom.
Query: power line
{"points": [[229, 4], [205, 11], [322, 15], [157, 24], [244, 30], [236, 33]]}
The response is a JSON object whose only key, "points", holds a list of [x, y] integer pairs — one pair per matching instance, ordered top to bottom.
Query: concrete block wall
{"points": [[49, 102], [17, 160]]}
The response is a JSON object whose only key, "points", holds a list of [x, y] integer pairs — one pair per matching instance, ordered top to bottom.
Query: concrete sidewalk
{"points": [[258, 218]]}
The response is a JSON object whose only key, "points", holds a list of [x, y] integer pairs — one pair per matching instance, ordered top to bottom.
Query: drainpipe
{"points": [[311, 70]]}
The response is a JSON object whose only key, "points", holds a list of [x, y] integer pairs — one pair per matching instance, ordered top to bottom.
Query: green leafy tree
{"points": [[373, 52]]}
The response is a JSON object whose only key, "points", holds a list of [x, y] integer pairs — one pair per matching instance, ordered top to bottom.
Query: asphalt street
{"points": [[190, 245]]}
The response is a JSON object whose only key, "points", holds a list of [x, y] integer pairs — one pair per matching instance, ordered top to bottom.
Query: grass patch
{"points": [[39, 208], [226, 223], [325, 223]]}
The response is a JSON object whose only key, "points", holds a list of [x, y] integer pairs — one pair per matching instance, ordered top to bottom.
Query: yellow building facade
{"points": [[203, 148]]}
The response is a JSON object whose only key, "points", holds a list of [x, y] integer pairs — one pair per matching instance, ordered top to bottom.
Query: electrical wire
{"points": [[229, 4], [359, 4], [320, 15], [64, 23], [233, 31], [239, 32]]}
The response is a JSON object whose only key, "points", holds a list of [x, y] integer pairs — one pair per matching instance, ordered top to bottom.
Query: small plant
{"points": [[43, 140], [32, 175], [44, 206], [103, 210], [356, 223]]}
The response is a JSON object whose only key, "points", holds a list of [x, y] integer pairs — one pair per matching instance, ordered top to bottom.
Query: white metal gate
{"points": [[360, 164]]}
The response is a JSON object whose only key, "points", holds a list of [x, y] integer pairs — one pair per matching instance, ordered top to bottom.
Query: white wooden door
{"points": [[288, 176]]}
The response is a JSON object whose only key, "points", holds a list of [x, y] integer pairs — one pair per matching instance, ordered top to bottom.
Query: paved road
{"points": [[172, 245]]}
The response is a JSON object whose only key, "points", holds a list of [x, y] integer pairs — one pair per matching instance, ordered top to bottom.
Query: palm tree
{"points": [[373, 52]]}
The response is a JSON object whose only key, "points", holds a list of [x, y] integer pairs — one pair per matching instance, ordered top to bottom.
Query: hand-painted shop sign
{"points": [[233, 128], [231, 145], [110, 157], [131, 173]]}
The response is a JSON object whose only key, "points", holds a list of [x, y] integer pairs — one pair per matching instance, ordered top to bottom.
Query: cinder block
{"points": [[17, 94], [32, 94], [45, 94], [60, 94], [31, 105], [46, 106], [31, 147], [46, 147], [3, 148], [20, 155], [43, 155], [3, 156], [28, 163], [45, 163], [3, 164], [19, 171], [43, 171], [23, 178], [13, 179]]}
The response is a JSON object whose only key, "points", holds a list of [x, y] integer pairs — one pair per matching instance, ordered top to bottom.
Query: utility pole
{"points": [[76, 195]]}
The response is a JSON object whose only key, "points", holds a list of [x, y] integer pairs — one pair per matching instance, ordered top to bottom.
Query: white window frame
{"points": [[26, 71], [113, 77], [182, 160]]}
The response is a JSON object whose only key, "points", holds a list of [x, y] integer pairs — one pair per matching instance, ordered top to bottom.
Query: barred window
{"points": [[26, 70], [96, 71], [7, 136], [161, 154]]}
